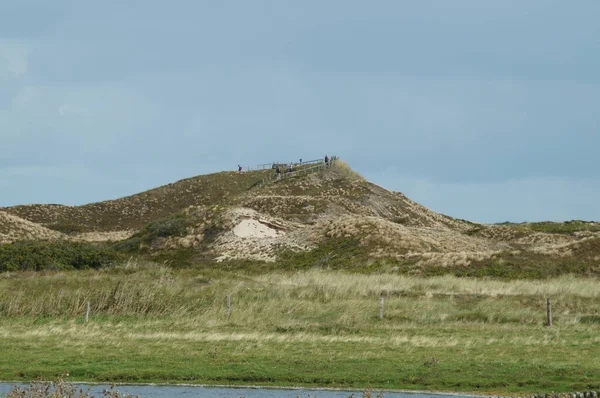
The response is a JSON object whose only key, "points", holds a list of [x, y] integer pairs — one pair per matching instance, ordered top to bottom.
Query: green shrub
{"points": [[171, 226], [567, 227], [67, 228], [130, 245], [335, 253], [37, 256], [471, 316], [590, 319]]}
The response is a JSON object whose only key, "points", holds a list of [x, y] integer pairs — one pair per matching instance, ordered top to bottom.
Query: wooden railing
{"points": [[273, 165], [258, 167], [298, 169]]}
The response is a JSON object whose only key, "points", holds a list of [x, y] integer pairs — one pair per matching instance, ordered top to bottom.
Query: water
{"points": [[219, 392]]}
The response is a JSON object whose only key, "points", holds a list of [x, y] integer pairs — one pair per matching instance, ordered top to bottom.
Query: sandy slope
{"points": [[13, 228]]}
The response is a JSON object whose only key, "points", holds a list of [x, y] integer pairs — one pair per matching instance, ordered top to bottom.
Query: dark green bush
{"points": [[173, 226], [567, 227], [67, 228], [131, 245], [37, 256], [471, 316], [590, 319]]}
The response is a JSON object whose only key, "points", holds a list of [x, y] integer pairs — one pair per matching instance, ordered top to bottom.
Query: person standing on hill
{"points": [[326, 161], [239, 168], [278, 172]]}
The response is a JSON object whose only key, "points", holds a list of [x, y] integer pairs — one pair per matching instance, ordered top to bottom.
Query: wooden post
{"points": [[228, 303], [380, 307], [87, 311], [548, 313]]}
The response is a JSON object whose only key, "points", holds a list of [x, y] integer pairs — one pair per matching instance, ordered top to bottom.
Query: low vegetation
{"points": [[136, 211], [173, 226], [567, 227], [338, 253], [55, 255], [313, 327], [60, 389]]}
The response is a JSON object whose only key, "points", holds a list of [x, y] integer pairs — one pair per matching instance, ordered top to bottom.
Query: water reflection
{"points": [[214, 392]]}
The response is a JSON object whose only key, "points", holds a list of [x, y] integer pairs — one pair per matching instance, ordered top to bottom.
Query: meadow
{"points": [[152, 323]]}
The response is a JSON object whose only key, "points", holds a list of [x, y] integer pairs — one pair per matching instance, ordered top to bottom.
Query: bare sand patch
{"points": [[252, 228]]}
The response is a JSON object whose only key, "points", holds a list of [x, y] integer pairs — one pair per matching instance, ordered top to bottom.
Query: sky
{"points": [[481, 110]]}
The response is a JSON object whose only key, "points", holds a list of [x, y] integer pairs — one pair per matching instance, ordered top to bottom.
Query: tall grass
{"points": [[344, 170], [316, 299], [149, 322]]}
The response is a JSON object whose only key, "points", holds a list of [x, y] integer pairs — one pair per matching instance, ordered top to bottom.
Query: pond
{"points": [[229, 392]]}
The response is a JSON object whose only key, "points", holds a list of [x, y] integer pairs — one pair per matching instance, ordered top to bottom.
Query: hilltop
{"points": [[331, 217]]}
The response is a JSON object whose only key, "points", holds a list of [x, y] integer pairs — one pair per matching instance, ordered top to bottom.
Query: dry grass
{"points": [[344, 170], [13, 228], [112, 236], [345, 285], [303, 300], [316, 325]]}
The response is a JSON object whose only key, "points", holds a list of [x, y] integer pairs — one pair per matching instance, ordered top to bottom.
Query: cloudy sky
{"points": [[482, 110]]}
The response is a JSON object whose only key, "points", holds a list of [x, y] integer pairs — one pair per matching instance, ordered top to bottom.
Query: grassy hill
{"points": [[133, 212], [333, 218]]}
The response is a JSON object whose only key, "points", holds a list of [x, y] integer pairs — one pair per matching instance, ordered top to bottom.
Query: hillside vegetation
{"points": [[133, 212], [333, 218]]}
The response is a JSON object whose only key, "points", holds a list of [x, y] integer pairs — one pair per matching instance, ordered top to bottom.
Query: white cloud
{"points": [[13, 59], [24, 96], [69, 109]]}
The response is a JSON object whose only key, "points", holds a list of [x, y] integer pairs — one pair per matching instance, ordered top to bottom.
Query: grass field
{"points": [[150, 323]]}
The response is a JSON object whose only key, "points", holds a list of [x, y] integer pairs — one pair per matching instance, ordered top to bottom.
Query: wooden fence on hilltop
{"points": [[291, 170]]}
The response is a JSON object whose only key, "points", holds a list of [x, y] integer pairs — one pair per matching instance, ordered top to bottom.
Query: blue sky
{"points": [[482, 110]]}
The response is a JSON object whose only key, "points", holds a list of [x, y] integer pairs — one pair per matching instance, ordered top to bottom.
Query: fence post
{"points": [[228, 304], [380, 307], [87, 311], [548, 313]]}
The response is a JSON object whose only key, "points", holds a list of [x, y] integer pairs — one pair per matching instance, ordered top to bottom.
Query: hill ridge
{"points": [[236, 216]]}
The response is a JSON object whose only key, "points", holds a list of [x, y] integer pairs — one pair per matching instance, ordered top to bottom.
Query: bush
{"points": [[175, 225], [172, 226], [567, 227], [67, 228], [37, 256], [471, 316], [590, 319]]}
